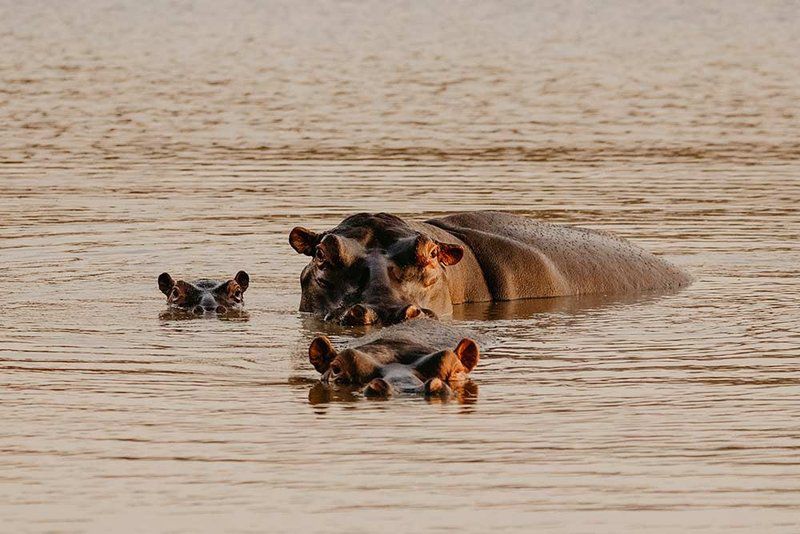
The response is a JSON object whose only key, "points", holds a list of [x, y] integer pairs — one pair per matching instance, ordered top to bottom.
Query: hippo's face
{"points": [[373, 269], [205, 296], [353, 366]]}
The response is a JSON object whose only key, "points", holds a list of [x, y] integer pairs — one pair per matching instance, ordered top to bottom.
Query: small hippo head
{"points": [[374, 269], [205, 296]]}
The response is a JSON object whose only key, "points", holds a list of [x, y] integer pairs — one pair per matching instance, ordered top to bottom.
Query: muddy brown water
{"points": [[191, 137]]}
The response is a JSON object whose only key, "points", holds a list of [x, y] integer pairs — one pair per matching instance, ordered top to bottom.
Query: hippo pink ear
{"points": [[303, 240], [427, 251], [450, 254], [467, 351], [321, 353]]}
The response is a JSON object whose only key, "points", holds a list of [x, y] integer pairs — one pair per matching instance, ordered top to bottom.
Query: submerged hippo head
{"points": [[373, 269], [205, 296], [366, 364]]}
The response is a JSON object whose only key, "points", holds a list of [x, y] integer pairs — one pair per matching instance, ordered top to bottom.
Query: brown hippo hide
{"points": [[524, 258], [377, 268], [205, 296], [421, 356]]}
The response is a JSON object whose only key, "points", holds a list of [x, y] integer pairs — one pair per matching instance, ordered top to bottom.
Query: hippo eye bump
{"points": [[174, 294], [238, 294]]}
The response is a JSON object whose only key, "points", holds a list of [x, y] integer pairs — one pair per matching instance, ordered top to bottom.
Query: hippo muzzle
{"points": [[367, 314]]}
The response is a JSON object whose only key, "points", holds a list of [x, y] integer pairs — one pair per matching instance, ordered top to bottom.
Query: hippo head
{"points": [[373, 269], [205, 296], [353, 366]]}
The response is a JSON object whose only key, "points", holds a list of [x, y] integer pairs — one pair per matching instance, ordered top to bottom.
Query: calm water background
{"points": [[192, 136]]}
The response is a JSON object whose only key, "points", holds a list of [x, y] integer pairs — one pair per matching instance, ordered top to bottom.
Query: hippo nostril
{"points": [[221, 309], [198, 310], [411, 312], [359, 315]]}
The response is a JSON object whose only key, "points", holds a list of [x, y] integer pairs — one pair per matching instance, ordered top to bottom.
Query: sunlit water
{"points": [[191, 137]]}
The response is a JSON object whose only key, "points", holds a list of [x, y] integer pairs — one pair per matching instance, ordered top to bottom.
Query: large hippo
{"points": [[379, 268]]}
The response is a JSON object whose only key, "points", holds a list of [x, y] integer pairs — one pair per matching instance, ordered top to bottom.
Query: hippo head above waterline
{"points": [[373, 269], [205, 297], [416, 357]]}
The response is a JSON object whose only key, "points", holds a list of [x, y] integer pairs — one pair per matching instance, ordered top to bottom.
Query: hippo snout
{"points": [[210, 308], [366, 314]]}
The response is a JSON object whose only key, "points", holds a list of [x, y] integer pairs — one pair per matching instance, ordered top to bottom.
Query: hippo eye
{"points": [[434, 252], [175, 294], [238, 294], [335, 369]]}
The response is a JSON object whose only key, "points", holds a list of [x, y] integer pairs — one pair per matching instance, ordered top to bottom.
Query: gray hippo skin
{"points": [[378, 268], [204, 296], [418, 357]]}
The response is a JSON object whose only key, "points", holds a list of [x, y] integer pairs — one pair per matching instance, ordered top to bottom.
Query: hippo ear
{"points": [[303, 240], [425, 250], [450, 254], [243, 279], [165, 283], [467, 351], [321, 353]]}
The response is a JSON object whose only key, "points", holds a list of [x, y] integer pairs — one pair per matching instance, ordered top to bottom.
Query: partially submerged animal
{"points": [[378, 268], [205, 297], [412, 358]]}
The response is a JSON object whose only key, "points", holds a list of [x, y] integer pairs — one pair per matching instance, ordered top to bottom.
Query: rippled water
{"points": [[191, 137]]}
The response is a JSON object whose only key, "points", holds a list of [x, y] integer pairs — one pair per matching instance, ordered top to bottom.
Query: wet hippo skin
{"points": [[378, 268], [204, 296], [420, 357]]}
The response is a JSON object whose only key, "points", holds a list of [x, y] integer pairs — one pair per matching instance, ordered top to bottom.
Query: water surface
{"points": [[191, 137]]}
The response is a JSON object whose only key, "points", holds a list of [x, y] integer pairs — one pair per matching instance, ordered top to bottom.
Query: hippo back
{"points": [[525, 258], [408, 342]]}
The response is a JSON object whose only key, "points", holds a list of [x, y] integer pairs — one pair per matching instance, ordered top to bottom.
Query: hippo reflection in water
{"points": [[378, 268], [205, 297], [423, 357]]}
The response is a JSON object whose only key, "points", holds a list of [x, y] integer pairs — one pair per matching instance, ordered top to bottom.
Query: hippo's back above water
{"points": [[525, 258], [423, 332]]}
